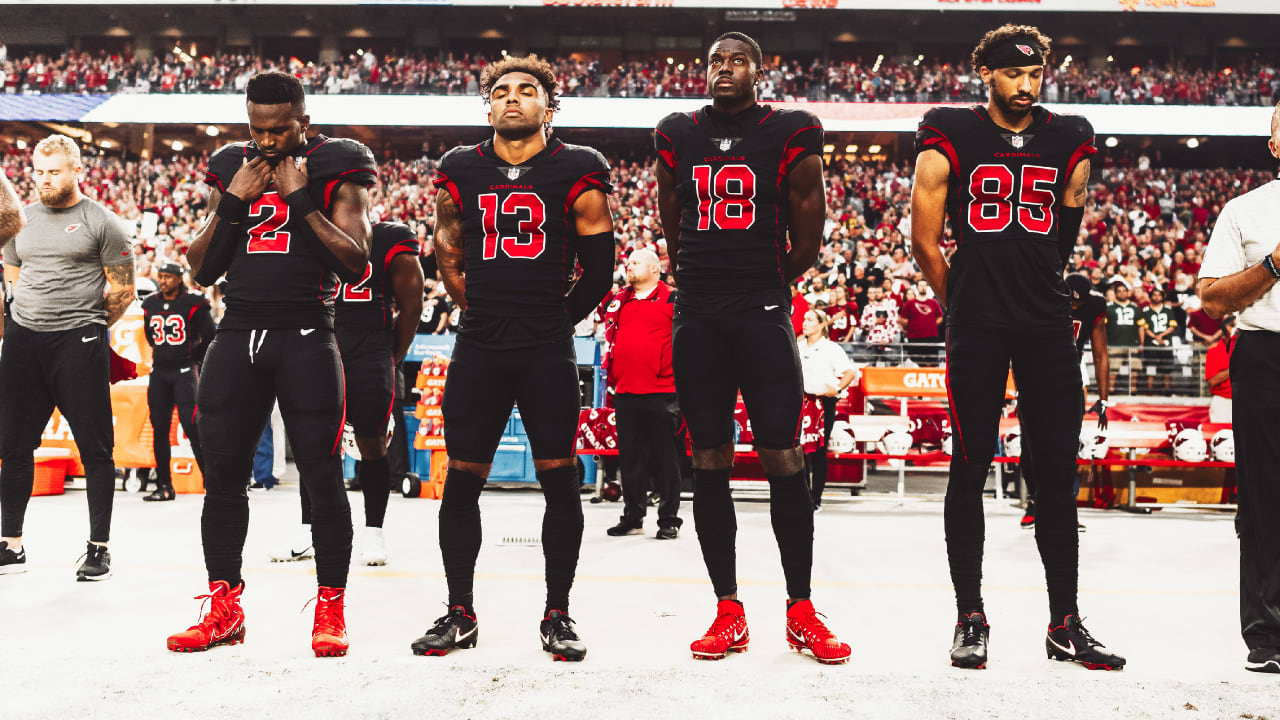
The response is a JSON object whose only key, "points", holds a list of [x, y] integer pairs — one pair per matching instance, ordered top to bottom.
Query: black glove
{"points": [[1100, 407]]}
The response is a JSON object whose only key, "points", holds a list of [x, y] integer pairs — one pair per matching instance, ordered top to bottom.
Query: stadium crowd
{"points": [[906, 79], [1145, 227]]}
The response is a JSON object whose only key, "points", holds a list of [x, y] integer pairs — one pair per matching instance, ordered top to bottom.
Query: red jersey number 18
{"points": [[726, 200]]}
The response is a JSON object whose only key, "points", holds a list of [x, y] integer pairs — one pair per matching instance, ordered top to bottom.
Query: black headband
{"points": [[1015, 51]]}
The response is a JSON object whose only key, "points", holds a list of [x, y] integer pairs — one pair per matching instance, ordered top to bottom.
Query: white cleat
{"points": [[299, 549], [373, 550]]}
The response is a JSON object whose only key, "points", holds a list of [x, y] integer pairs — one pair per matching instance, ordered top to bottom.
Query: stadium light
{"points": [[1110, 58], [919, 59], [671, 61], [1066, 62], [680, 67], [212, 131], [1112, 141], [1193, 143], [20, 144], [107, 144], [177, 145], [828, 148], [850, 149], [874, 149]]}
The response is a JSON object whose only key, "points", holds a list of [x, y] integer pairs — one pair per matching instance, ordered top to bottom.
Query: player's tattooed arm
{"points": [[1078, 185], [807, 202], [668, 210], [11, 217], [928, 218], [450, 247], [406, 285], [120, 291]]}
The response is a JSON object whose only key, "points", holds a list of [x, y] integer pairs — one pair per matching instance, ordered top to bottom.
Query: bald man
{"points": [[638, 365]]}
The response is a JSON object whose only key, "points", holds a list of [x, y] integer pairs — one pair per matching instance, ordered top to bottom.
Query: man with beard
{"points": [[1012, 179], [742, 203], [512, 215], [288, 217], [56, 348]]}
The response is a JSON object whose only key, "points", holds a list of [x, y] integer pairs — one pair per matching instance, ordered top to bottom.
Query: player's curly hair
{"points": [[1004, 32], [537, 67]]}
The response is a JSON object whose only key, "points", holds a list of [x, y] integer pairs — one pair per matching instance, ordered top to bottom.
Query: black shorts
{"points": [[752, 351], [369, 372], [483, 385]]}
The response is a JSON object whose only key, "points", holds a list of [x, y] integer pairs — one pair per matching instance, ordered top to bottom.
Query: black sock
{"points": [[375, 484], [791, 514], [562, 524], [717, 526], [460, 533]]}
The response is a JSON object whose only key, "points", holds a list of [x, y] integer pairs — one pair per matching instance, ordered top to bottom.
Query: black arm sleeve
{"points": [[300, 201], [232, 214], [1069, 219], [595, 254], [204, 329]]}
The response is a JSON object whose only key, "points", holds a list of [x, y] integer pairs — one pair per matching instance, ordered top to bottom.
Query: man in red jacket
{"points": [[638, 364]]}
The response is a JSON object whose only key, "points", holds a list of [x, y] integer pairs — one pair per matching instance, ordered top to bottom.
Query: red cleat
{"points": [[222, 625], [806, 632], [329, 634], [727, 634]]}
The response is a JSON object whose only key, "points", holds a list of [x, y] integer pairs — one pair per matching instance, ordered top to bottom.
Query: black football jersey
{"points": [[731, 177], [1002, 205], [519, 238], [274, 280], [369, 304], [1085, 318], [178, 330]]}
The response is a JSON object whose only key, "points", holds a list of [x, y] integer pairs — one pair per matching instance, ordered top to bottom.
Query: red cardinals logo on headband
{"points": [[1026, 50]]}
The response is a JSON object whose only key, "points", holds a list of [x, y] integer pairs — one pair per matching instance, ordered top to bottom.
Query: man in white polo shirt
{"points": [[1240, 270]]}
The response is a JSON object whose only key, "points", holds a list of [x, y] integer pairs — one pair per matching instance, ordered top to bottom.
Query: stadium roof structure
{"points": [[469, 111]]}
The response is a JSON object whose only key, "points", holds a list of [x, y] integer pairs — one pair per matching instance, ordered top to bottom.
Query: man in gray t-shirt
{"points": [[56, 350]]}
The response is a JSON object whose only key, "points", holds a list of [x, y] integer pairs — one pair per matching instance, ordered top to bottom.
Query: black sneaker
{"points": [[160, 494], [625, 527], [668, 533], [12, 563], [96, 565], [456, 629], [560, 639], [1071, 642], [969, 644], [1265, 660]]}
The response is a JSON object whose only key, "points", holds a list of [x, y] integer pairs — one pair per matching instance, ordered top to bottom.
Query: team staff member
{"points": [[1013, 179], [287, 218], [1241, 266], [179, 329], [638, 331], [56, 348], [827, 372]]}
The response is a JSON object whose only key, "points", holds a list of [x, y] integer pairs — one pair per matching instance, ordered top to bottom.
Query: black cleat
{"points": [[160, 494], [625, 527], [668, 533], [11, 562], [96, 565], [455, 630], [560, 639], [1072, 643], [969, 644], [1266, 660]]}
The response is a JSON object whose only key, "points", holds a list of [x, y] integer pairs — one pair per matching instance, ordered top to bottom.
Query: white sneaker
{"points": [[299, 549], [373, 550]]}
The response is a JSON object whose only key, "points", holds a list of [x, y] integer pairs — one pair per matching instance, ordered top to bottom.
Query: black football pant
{"points": [[1045, 367], [68, 369], [244, 372], [166, 388], [1255, 416], [647, 427], [817, 460]]}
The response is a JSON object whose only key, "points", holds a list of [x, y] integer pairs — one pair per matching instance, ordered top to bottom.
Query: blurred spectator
{"points": [[799, 306], [841, 316], [922, 322], [1155, 327], [1122, 334], [1217, 372]]}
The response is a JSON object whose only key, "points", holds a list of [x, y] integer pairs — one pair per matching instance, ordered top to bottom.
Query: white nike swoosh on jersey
{"points": [[772, 307], [307, 332], [88, 339], [185, 370], [1070, 649]]}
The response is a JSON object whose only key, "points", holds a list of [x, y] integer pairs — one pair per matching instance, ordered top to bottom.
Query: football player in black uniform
{"points": [[1012, 178], [737, 183], [512, 213], [288, 218], [375, 321], [1089, 323], [179, 329]]}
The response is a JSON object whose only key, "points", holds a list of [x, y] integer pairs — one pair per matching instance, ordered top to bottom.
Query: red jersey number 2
{"points": [[272, 213]]}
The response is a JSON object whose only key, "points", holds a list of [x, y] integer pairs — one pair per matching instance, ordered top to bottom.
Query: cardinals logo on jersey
{"points": [[725, 144], [72, 227]]}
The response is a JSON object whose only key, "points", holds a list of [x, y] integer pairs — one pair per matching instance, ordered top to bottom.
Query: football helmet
{"points": [[1189, 445], [1223, 445]]}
